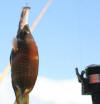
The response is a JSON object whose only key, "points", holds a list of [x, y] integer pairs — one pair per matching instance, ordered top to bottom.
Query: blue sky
{"points": [[67, 36]]}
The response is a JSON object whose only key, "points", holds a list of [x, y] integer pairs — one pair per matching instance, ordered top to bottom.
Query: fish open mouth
{"points": [[24, 17]]}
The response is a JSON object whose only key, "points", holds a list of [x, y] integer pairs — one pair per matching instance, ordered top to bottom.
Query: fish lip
{"points": [[24, 17]]}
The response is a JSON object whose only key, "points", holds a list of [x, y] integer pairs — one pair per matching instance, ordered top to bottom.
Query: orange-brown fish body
{"points": [[24, 61]]}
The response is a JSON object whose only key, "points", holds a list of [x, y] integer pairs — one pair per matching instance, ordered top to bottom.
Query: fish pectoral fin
{"points": [[14, 44]]}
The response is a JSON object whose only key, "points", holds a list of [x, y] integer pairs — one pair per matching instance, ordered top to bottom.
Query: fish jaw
{"points": [[24, 17]]}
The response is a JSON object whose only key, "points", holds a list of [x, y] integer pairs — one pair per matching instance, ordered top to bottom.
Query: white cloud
{"points": [[47, 91]]}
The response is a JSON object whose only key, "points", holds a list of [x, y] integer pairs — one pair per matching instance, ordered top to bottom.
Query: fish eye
{"points": [[26, 32]]}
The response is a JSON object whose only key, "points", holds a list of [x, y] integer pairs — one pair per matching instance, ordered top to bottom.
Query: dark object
{"points": [[24, 60], [90, 83]]}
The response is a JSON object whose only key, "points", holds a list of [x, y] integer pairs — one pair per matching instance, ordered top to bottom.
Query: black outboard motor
{"points": [[90, 83]]}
